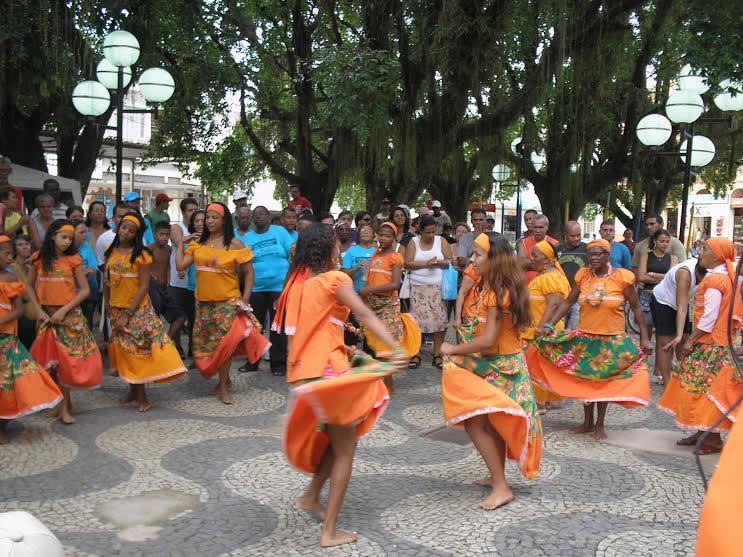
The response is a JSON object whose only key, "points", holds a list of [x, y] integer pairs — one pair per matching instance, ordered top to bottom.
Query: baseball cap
{"points": [[238, 195], [132, 196], [162, 197], [436, 204]]}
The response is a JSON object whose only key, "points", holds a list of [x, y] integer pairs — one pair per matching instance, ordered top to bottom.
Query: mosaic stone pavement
{"points": [[217, 475]]}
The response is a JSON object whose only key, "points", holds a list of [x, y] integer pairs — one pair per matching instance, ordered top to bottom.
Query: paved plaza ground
{"points": [[195, 477]]}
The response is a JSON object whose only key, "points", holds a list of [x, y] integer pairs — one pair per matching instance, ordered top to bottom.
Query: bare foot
{"points": [[224, 395], [144, 406], [54, 412], [65, 417], [582, 428], [600, 433], [691, 440], [485, 482], [497, 498], [314, 507], [339, 537]]}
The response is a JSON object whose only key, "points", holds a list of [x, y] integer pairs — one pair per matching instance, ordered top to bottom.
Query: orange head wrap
{"points": [[216, 207], [132, 219], [66, 228], [4, 239], [484, 242], [600, 243], [724, 250], [548, 251]]}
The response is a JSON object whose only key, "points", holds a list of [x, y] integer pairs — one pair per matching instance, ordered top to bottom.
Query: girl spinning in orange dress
{"points": [[225, 325], [64, 343], [139, 350], [485, 383], [25, 387], [334, 401]]}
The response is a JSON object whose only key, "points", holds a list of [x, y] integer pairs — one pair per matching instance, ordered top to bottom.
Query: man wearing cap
{"points": [[240, 199], [133, 200], [297, 202], [160, 212], [384, 214], [440, 217]]}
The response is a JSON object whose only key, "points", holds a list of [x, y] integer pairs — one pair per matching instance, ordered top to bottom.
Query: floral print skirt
{"points": [[428, 308], [70, 349], [25, 387]]}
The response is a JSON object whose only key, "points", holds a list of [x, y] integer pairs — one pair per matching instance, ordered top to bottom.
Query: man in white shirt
{"points": [[51, 187], [440, 217], [105, 239]]}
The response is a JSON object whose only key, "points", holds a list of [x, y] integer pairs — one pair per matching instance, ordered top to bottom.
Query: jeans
{"points": [[263, 306], [572, 316]]}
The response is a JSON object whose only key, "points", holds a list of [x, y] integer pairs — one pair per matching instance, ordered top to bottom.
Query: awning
{"points": [[31, 179]]}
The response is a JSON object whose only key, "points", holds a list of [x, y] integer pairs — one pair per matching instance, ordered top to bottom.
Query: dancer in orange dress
{"points": [[225, 325], [64, 343], [140, 349], [598, 362], [706, 382], [485, 383], [25, 387], [334, 401]]}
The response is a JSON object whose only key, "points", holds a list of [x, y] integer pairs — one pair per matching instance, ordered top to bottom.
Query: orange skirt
{"points": [[222, 331], [69, 347], [704, 385], [25, 387], [629, 392], [466, 394], [357, 399], [720, 534]]}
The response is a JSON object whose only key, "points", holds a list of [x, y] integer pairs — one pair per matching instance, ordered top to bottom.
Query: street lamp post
{"points": [[114, 72]]}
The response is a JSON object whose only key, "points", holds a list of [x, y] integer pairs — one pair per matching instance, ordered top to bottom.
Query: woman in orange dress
{"points": [[547, 290], [224, 324], [64, 343], [139, 349], [598, 362], [706, 382], [485, 383], [25, 387], [334, 402]]}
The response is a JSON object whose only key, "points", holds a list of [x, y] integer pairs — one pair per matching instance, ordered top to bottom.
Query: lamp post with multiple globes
{"points": [[91, 98], [686, 106]]}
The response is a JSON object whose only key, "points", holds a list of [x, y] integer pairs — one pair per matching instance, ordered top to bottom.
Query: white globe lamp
{"points": [[121, 48], [108, 74], [690, 81], [157, 85], [91, 98], [726, 101], [683, 107], [653, 130], [702, 151], [501, 173]]}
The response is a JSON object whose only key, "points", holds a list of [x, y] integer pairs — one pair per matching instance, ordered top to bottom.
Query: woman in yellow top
{"points": [[547, 291], [224, 324], [64, 343], [139, 350], [598, 362], [485, 383], [25, 387]]}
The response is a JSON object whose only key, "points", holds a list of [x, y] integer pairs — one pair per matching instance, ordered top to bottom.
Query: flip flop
{"points": [[414, 363], [708, 449]]}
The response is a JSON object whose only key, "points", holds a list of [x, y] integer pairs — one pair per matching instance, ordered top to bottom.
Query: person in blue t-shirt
{"points": [[289, 222], [242, 224], [271, 246], [358, 256], [620, 257], [91, 269]]}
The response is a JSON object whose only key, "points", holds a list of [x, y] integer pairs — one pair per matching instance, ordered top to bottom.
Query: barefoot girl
{"points": [[383, 277], [224, 324], [65, 343], [139, 350], [598, 362], [706, 382], [485, 383], [25, 387], [333, 401]]}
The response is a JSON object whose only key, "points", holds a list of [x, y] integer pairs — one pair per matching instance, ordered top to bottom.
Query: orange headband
{"points": [[216, 207], [132, 219], [391, 225], [67, 228], [4, 239], [484, 242], [601, 243]]}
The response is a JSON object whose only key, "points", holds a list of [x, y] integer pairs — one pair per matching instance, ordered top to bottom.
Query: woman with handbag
{"points": [[426, 258]]}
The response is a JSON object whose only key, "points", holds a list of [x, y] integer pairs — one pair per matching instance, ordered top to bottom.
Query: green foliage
{"points": [[351, 194]]}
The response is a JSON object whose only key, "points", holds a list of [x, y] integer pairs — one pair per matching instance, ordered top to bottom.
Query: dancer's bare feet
{"points": [[224, 395], [144, 406], [54, 412], [65, 417], [582, 428], [599, 433], [485, 482], [497, 498], [312, 506], [339, 537]]}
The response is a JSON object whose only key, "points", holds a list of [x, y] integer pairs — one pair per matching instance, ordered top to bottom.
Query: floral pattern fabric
{"points": [[428, 308], [388, 310], [213, 322], [142, 332], [73, 335], [591, 357], [15, 362], [698, 370]]}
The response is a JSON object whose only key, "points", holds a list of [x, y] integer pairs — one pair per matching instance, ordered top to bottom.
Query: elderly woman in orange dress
{"points": [[225, 325], [598, 362], [706, 382], [485, 383], [334, 401]]}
